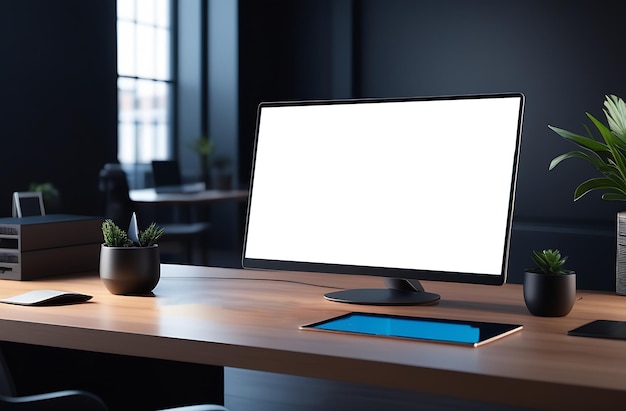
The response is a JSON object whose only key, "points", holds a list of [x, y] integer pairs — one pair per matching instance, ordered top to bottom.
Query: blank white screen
{"points": [[423, 184]]}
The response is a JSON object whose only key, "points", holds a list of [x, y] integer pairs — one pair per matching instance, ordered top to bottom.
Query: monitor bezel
{"points": [[416, 274]]}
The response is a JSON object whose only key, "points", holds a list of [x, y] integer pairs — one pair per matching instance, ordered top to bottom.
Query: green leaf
{"points": [[615, 112], [582, 141], [612, 141], [607, 152], [593, 158], [617, 179], [594, 184], [614, 196], [113, 235], [150, 236], [549, 261]]}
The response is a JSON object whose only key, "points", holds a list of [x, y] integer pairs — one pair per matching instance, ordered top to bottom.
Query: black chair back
{"points": [[114, 187], [6, 382]]}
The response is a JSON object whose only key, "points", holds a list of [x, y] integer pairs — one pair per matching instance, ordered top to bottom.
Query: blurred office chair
{"points": [[27, 203], [119, 207], [66, 400]]}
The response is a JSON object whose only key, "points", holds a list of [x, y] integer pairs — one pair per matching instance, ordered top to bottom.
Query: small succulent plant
{"points": [[114, 236], [549, 262]]}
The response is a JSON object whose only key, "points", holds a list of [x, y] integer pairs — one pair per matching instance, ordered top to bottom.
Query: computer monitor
{"points": [[166, 173], [168, 178], [407, 189]]}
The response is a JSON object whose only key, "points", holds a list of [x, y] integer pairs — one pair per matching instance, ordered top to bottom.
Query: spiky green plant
{"points": [[607, 154], [150, 235], [116, 237], [549, 262]]}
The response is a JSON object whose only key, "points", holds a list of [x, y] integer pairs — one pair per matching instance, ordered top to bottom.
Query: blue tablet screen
{"points": [[430, 329]]}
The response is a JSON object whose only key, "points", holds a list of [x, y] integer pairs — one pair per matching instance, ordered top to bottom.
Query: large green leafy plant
{"points": [[606, 152]]}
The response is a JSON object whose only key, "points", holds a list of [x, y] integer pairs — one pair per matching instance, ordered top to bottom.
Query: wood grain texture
{"points": [[250, 319]]}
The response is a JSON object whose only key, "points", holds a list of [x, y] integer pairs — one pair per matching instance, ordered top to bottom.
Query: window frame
{"points": [[139, 170]]}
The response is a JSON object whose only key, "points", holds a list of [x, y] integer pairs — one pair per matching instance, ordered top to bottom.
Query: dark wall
{"points": [[284, 54], [559, 54], [564, 56], [58, 105]]}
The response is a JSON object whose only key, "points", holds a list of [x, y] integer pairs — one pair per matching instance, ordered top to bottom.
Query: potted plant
{"points": [[204, 147], [607, 154], [215, 170], [222, 176], [51, 195], [130, 262], [549, 289]]}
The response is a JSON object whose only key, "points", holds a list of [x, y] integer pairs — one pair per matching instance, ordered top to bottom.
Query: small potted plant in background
{"points": [[204, 147], [215, 170], [222, 174], [51, 196], [129, 261], [549, 289]]}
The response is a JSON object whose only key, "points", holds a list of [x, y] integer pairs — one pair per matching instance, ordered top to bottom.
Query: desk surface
{"points": [[149, 195], [250, 319]]}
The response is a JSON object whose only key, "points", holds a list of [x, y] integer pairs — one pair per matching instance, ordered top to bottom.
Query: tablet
{"points": [[467, 333]]}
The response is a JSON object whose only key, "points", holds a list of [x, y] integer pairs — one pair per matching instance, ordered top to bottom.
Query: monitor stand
{"points": [[399, 291]]}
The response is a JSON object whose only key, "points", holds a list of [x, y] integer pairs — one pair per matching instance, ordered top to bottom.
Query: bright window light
{"points": [[145, 82]]}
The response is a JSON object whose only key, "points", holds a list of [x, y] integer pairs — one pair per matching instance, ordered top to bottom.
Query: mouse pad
{"points": [[46, 297], [615, 330]]}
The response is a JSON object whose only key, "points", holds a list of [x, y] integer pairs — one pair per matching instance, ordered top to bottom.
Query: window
{"points": [[145, 83]]}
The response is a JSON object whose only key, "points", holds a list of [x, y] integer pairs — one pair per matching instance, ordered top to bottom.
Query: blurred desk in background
{"points": [[151, 196], [225, 212]]}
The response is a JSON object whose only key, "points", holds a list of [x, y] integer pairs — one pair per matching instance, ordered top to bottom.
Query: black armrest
{"points": [[68, 400]]}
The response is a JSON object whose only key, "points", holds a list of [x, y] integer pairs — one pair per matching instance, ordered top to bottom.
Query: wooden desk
{"points": [[150, 196], [233, 318]]}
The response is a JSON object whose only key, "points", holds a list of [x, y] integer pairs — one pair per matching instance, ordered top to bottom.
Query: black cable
{"points": [[260, 279]]}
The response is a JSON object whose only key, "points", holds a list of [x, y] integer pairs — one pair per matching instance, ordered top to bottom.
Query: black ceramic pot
{"points": [[130, 270], [549, 295]]}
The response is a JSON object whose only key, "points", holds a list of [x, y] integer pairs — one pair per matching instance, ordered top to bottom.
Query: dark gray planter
{"points": [[130, 270], [549, 295]]}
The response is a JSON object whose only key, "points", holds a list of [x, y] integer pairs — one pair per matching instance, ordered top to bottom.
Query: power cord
{"points": [[279, 280]]}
